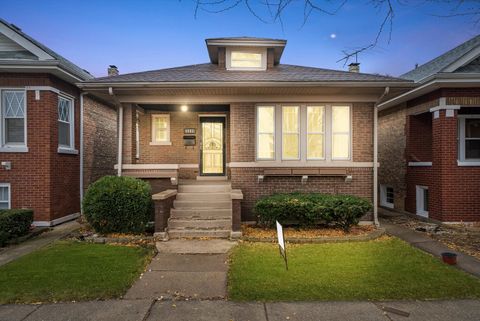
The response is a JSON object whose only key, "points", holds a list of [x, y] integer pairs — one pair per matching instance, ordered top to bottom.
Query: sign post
{"points": [[281, 243]]}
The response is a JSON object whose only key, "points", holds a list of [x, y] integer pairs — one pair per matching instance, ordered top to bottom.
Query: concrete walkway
{"points": [[420, 240], [16, 251], [185, 269], [150, 310]]}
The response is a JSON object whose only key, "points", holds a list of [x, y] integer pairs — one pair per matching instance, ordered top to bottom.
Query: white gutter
{"points": [[81, 151], [375, 157]]}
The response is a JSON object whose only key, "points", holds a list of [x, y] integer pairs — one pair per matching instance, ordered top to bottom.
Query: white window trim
{"points": [[228, 58], [257, 133], [298, 133], [313, 133], [349, 133], [328, 136], [168, 140], [13, 148], [68, 149], [462, 161], [7, 185], [419, 190], [383, 196]]}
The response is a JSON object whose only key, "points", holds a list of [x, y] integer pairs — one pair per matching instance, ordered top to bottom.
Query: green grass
{"points": [[385, 269], [67, 271]]}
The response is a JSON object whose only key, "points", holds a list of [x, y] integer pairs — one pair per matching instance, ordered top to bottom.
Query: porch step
{"points": [[212, 178], [225, 188], [205, 197], [202, 204], [201, 213], [200, 224], [186, 233]]}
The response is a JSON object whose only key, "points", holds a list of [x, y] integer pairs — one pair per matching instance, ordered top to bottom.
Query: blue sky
{"points": [[144, 35]]}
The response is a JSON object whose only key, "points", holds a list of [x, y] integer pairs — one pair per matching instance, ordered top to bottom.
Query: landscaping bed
{"points": [[311, 234], [383, 269], [72, 271]]}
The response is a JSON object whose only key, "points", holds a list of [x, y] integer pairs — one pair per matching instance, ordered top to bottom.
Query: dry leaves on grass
{"points": [[306, 233]]}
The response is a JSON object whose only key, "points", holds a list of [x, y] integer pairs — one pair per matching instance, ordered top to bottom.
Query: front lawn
{"points": [[384, 269], [67, 271]]}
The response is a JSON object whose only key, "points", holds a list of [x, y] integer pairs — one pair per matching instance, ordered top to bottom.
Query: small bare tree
{"points": [[272, 11]]}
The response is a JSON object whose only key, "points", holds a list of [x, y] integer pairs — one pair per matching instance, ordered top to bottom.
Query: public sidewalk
{"points": [[420, 240], [14, 252], [219, 310]]}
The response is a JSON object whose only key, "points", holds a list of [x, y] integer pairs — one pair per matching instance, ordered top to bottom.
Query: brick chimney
{"points": [[354, 67], [112, 70]]}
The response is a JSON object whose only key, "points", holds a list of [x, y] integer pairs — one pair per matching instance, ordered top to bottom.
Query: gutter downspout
{"points": [[120, 131], [81, 151], [375, 157]]}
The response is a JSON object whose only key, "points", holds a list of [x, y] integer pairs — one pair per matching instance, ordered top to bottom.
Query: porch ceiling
{"points": [[222, 95]]}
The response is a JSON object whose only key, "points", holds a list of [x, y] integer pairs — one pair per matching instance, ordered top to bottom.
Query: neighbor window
{"points": [[246, 59], [13, 114], [65, 123], [161, 129], [266, 132], [290, 132], [315, 132], [340, 132], [469, 138], [4, 196], [386, 196]]}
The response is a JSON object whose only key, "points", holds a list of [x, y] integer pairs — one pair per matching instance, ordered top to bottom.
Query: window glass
{"points": [[241, 59], [14, 115], [64, 121], [161, 128], [472, 128], [266, 132], [290, 132], [315, 132], [340, 132], [472, 138], [389, 195], [4, 198], [425, 200]]}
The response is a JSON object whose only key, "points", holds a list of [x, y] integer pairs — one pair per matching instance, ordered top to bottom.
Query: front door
{"points": [[212, 148]]}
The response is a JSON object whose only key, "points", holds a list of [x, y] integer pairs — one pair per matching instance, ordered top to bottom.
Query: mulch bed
{"points": [[314, 235], [462, 238]]}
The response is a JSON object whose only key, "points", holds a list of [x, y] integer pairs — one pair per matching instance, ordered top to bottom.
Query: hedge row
{"points": [[308, 209], [14, 223]]}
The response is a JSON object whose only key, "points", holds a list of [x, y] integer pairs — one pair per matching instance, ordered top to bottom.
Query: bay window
{"points": [[13, 115], [65, 124], [266, 132], [290, 132], [304, 132], [315, 132], [340, 132], [469, 138]]}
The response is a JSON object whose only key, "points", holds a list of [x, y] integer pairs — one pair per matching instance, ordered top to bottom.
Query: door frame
{"points": [[214, 118], [420, 197]]}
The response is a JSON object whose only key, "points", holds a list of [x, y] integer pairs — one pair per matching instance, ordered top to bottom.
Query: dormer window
{"points": [[246, 59]]}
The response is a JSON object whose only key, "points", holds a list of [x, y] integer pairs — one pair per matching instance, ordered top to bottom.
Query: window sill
{"points": [[160, 143], [14, 149], [63, 150], [468, 163], [419, 164]]}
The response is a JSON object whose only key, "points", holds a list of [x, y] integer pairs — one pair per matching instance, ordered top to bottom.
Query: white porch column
{"points": [[120, 140]]}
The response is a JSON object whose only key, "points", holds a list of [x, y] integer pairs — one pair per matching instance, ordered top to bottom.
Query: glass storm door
{"points": [[212, 158]]}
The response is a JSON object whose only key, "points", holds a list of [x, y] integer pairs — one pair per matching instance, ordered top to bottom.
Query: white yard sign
{"points": [[281, 243]]}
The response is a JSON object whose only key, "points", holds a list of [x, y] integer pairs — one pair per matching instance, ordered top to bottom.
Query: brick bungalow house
{"points": [[44, 119], [244, 126], [429, 139]]}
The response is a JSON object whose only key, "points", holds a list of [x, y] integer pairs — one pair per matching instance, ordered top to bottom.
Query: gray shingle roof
{"points": [[441, 62], [65, 63], [211, 73]]}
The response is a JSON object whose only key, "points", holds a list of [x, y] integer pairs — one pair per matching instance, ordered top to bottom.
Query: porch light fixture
{"points": [[184, 108]]}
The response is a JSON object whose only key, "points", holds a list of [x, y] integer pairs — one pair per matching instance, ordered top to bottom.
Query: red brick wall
{"points": [[419, 142], [42, 179]]}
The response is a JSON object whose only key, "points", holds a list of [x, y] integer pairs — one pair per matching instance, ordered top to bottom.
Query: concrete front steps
{"points": [[202, 209]]}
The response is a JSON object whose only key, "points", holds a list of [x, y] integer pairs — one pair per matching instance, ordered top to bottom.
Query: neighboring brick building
{"points": [[263, 126], [40, 128], [429, 139]]}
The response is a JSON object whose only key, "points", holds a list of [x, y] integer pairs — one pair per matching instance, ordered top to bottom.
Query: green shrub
{"points": [[118, 205], [308, 209], [14, 223]]}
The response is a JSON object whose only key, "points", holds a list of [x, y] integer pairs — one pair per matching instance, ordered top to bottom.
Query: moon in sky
{"points": [[333, 36]]}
